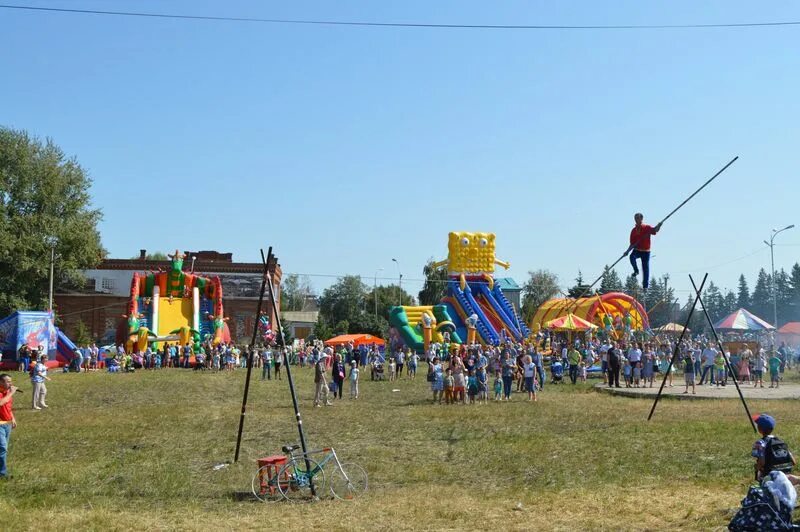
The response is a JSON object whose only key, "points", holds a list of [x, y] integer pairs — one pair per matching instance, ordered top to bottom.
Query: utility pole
{"points": [[771, 245], [399, 284]]}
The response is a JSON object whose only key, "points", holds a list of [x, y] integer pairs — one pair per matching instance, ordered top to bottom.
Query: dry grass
{"points": [[117, 452]]}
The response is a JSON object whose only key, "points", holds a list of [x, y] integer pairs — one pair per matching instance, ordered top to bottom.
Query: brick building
{"points": [[103, 300]]}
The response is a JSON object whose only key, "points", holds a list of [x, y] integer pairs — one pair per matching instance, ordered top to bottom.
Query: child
{"points": [[157, 360], [413, 360], [392, 369], [719, 369], [688, 370], [744, 370], [758, 370], [774, 370], [582, 371], [626, 371], [529, 373], [637, 374], [354, 379], [449, 383], [472, 386], [483, 386], [498, 386], [770, 452]]}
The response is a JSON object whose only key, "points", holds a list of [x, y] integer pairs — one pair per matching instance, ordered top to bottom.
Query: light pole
{"points": [[51, 241], [771, 245], [399, 284], [375, 289]]}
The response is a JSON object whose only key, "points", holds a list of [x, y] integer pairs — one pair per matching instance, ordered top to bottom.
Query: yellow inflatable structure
{"points": [[601, 310]]}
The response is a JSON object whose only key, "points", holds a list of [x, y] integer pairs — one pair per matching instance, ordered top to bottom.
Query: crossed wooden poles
{"points": [[676, 351]]}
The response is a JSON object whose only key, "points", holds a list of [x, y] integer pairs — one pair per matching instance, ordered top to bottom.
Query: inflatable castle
{"points": [[173, 306], [474, 308]]}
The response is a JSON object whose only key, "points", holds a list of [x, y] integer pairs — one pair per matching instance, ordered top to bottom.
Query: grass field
{"points": [[124, 451]]}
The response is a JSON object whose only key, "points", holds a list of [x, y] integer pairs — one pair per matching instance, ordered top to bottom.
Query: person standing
{"points": [[640, 247], [708, 356], [574, 358], [278, 362], [266, 364], [613, 366], [337, 373], [38, 377], [320, 383], [7, 420]]}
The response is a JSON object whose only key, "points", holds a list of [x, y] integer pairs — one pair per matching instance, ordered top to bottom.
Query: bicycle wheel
{"points": [[294, 480], [348, 482], [265, 489]]}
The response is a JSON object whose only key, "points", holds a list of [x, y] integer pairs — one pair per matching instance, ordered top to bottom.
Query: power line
{"points": [[358, 23]]}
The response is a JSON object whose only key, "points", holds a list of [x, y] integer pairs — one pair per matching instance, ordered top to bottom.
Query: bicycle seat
{"points": [[290, 448]]}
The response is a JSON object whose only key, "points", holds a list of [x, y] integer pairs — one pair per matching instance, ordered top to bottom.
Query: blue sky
{"points": [[346, 147]]}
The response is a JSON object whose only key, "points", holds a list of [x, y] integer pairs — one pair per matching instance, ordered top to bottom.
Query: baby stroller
{"points": [[377, 371], [557, 372]]}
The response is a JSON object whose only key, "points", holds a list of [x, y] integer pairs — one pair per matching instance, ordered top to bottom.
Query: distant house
{"points": [[511, 290]]}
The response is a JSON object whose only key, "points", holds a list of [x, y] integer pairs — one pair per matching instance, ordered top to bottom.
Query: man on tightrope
{"points": [[640, 247]]}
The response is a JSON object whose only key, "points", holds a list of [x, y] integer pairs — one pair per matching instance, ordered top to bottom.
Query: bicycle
{"points": [[293, 481]]}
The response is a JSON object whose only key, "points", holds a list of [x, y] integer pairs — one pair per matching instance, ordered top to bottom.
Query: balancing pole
{"points": [[667, 217], [677, 347], [724, 356], [250, 361], [288, 366]]}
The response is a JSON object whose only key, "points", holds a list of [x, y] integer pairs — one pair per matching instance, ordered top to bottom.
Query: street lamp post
{"points": [[771, 245], [399, 284], [375, 289]]}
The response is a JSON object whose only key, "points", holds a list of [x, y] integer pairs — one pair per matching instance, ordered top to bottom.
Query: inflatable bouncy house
{"points": [[173, 306], [474, 309], [615, 314], [36, 330]]}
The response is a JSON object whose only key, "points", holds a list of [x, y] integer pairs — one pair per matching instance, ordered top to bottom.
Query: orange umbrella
{"points": [[570, 322]]}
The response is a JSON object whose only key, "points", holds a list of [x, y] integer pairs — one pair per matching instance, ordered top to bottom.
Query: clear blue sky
{"points": [[345, 147]]}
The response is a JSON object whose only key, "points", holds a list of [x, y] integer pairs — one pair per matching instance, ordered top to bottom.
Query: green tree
{"points": [[44, 204], [610, 282], [794, 282], [435, 286], [541, 286], [581, 289], [633, 289], [295, 290], [783, 291], [743, 294], [387, 297], [713, 299], [343, 300], [761, 300], [730, 303], [346, 308], [322, 329], [81, 334]]}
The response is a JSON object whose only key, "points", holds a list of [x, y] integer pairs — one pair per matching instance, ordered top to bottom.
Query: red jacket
{"points": [[640, 237]]}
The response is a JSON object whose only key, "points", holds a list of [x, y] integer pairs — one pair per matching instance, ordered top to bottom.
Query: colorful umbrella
{"points": [[742, 320], [569, 322]]}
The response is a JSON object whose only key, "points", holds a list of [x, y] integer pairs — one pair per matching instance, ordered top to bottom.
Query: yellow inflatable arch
{"points": [[593, 309]]}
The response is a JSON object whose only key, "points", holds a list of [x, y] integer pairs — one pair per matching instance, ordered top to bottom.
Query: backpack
{"points": [[777, 456]]}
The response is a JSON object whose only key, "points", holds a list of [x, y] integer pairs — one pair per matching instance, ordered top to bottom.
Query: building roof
{"points": [[206, 262], [507, 283], [793, 327]]}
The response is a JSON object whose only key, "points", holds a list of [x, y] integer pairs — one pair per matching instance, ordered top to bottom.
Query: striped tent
{"points": [[592, 309], [743, 320], [570, 322]]}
